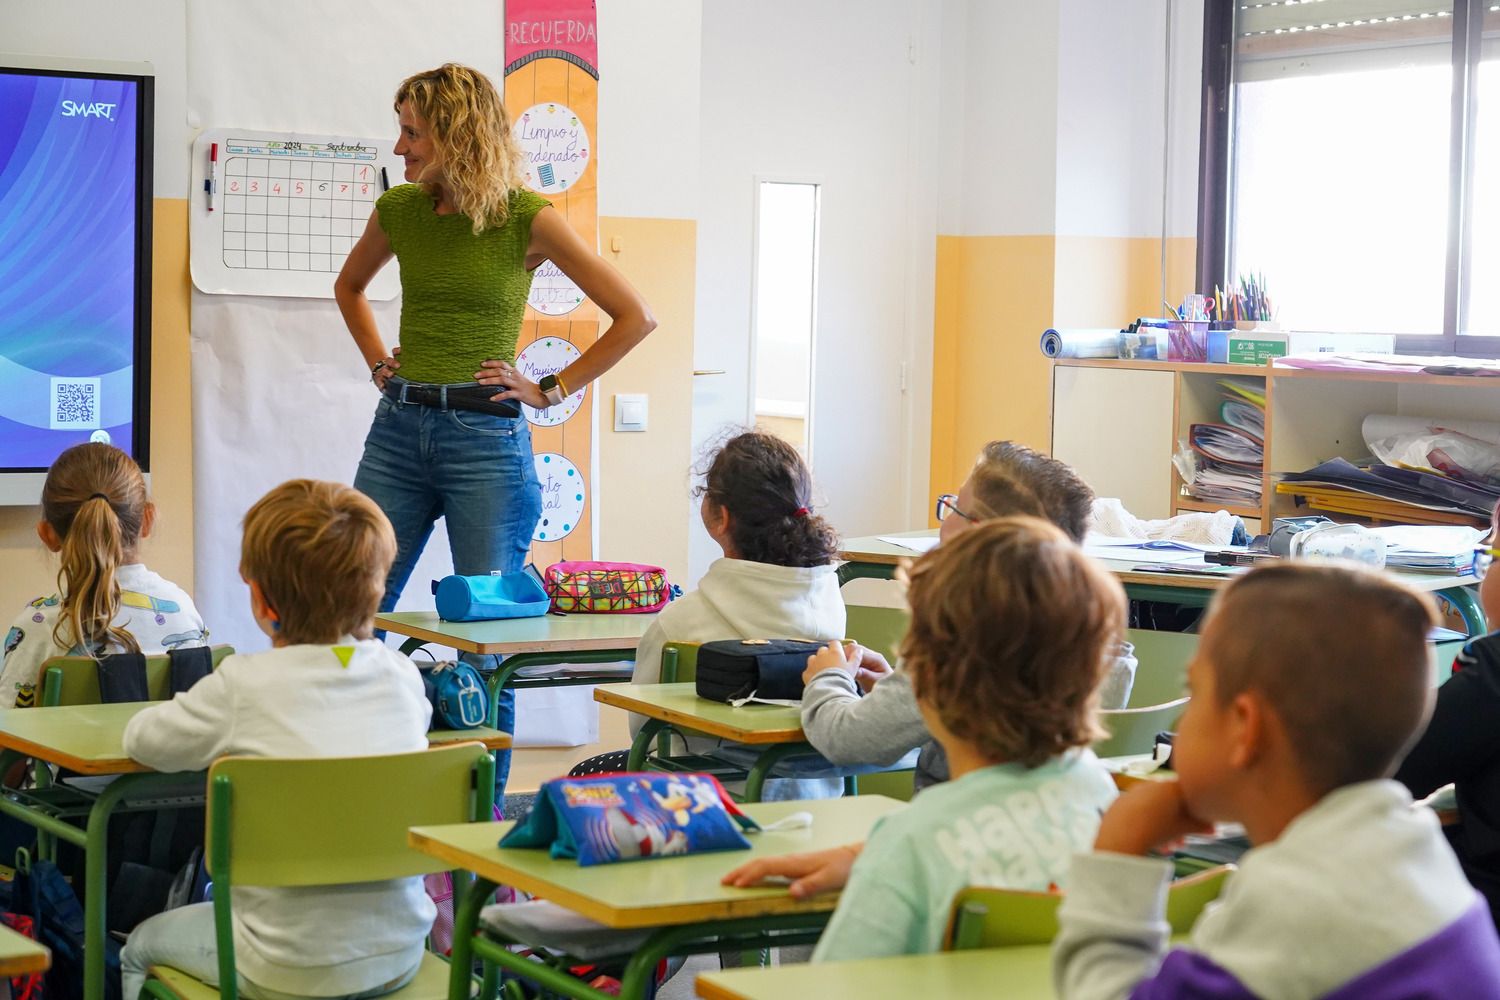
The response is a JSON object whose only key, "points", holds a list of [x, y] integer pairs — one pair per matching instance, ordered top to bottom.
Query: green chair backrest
{"points": [[880, 629], [679, 662], [1161, 671], [74, 680], [1133, 730], [892, 784], [334, 820], [1002, 918]]}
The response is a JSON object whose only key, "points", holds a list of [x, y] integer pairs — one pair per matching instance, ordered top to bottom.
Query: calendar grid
{"points": [[294, 214]]}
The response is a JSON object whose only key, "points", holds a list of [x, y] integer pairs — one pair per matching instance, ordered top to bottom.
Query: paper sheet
{"points": [[919, 543]]}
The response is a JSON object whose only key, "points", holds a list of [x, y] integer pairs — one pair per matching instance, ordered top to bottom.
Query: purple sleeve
{"points": [[1186, 973]]}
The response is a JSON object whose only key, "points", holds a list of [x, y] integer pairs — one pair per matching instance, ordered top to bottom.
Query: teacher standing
{"points": [[449, 438]]}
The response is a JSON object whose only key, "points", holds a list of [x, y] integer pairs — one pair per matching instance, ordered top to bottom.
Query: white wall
{"points": [[150, 31], [649, 65], [822, 92]]}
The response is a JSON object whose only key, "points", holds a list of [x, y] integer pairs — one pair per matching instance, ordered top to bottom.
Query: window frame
{"points": [[1216, 174]]}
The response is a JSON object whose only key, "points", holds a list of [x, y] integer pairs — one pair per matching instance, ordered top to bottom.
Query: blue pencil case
{"points": [[485, 598], [631, 817]]}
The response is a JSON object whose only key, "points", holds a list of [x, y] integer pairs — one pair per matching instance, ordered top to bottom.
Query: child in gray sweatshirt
{"points": [[885, 725]]}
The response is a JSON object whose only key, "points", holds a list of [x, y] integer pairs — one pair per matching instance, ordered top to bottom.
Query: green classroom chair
{"points": [[880, 629], [74, 680], [1133, 730], [351, 820], [1003, 918]]}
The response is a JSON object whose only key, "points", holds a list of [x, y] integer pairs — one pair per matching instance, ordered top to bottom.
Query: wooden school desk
{"points": [[874, 559], [529, 642], [776, 728], [89, 739], [679, 896], [21, 956], [1021, 973]]}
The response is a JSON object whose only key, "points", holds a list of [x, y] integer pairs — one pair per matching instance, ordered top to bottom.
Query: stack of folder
{"points": [[1231, 453], [1391, 495]]}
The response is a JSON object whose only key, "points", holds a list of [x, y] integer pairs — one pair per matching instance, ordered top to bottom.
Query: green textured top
{"points": [[462, 296]]}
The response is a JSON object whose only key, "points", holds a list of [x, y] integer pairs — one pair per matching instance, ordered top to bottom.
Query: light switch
{"points": [[630, 411]]}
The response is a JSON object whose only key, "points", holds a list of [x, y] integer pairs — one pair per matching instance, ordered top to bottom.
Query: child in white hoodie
{"points": [[316, 557], [777, 580]]}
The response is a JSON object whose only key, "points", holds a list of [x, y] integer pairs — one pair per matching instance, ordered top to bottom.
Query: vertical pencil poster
{"points": [[552, 95]]}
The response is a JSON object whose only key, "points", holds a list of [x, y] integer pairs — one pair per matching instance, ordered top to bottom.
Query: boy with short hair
{"points": [[315, 555], [1349, 891]]}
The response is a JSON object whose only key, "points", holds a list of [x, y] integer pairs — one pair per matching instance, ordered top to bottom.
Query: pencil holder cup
{"points": [[1187, 340]]}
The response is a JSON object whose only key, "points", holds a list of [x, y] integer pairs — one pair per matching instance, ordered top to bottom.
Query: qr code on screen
{"points": [[75, 404]]}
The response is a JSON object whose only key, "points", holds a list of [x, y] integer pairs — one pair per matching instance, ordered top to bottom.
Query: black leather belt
{"points": [[453, 397]]}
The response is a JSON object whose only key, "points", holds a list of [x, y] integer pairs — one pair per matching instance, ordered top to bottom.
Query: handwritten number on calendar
{"points": [[364, 173], [234, 186], [254, 186], [323, 186], [275, 188], [299, 188], [343, 188], [364, 189]]}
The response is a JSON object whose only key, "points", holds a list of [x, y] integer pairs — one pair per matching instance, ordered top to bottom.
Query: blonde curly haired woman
{"points": [[448, 438]]}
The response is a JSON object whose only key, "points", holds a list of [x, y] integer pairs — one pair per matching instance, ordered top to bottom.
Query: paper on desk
{"points": [[918, 543], [1147, 549]]}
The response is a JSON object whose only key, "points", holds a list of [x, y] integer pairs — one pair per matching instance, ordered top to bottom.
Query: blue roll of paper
{"points": [[1081, 343]]}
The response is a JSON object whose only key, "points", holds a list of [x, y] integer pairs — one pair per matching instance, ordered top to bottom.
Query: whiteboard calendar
{"points": [[277, 213]]}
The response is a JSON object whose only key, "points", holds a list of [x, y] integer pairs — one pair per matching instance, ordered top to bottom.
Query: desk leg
{"points": [[867, 571], [1466, 603], [641, 745], [755, 780], [95, 866], [465, 923], [747, 933]]}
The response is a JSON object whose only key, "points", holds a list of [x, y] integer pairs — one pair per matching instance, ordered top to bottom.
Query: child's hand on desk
{"points": [[834, 656], [872, 669], [1151, 815], [811, 873]]}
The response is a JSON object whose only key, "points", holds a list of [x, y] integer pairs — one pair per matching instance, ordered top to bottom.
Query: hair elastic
{"points": [[100, 496], [800, 512]]}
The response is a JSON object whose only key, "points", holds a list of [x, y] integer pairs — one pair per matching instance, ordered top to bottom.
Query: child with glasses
{"points": [[1012, 628], [885, 724], [1462, 742]]}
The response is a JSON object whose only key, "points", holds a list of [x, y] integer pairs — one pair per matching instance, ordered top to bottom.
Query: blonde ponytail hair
{"points": [[480, 161], [95, 500]]}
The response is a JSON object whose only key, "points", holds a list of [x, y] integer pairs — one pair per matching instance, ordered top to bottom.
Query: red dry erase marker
{"points": [[211, 185]]}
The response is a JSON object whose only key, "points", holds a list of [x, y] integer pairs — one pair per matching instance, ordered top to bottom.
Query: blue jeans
{"points": [[476, 471]]}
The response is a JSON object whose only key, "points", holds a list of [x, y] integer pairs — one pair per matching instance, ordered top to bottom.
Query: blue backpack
{"points": [[458, 695]]}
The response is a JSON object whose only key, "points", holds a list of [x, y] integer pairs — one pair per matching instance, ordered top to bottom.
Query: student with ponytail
{"points": [[94, 514], [777, 580]]}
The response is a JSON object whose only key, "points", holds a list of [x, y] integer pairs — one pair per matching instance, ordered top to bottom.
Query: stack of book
{"points": [[1230, 454], [1391, 495]]}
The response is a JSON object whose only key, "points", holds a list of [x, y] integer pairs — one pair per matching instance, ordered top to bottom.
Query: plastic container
{"points": [[1187, 340], [1339, 541]]}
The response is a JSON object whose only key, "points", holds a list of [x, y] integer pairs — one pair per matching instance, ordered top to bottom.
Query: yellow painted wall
{"points": [[995, 295], [29, 569]]}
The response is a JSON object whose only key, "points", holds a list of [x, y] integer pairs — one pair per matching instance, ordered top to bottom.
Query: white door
{"points": [[822, 91]]}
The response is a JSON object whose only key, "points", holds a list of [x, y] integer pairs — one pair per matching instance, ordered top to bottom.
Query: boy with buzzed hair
{"points": [[1349, 891]]}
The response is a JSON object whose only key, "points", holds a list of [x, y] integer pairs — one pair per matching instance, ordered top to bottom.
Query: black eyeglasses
{"points": [[948, 504]]}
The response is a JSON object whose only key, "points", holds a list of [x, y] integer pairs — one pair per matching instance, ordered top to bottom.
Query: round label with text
{"points": [[556, 147], [552, 292], [548, 356], [562, 497]]}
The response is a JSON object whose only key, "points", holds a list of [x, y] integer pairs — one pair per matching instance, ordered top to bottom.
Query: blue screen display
{"points": [[68, 221]]}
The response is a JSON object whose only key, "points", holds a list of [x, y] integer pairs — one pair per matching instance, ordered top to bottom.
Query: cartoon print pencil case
{"points": [[631, 817]]}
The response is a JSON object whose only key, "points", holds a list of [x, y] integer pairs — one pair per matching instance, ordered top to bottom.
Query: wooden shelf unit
{"points": [[1311, 416]]}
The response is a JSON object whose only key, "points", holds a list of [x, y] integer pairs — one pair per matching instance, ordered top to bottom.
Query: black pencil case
{"points": [[731, 669]]}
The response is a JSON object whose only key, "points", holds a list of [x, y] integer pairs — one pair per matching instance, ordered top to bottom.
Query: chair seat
{"points": [[431, 983]]}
